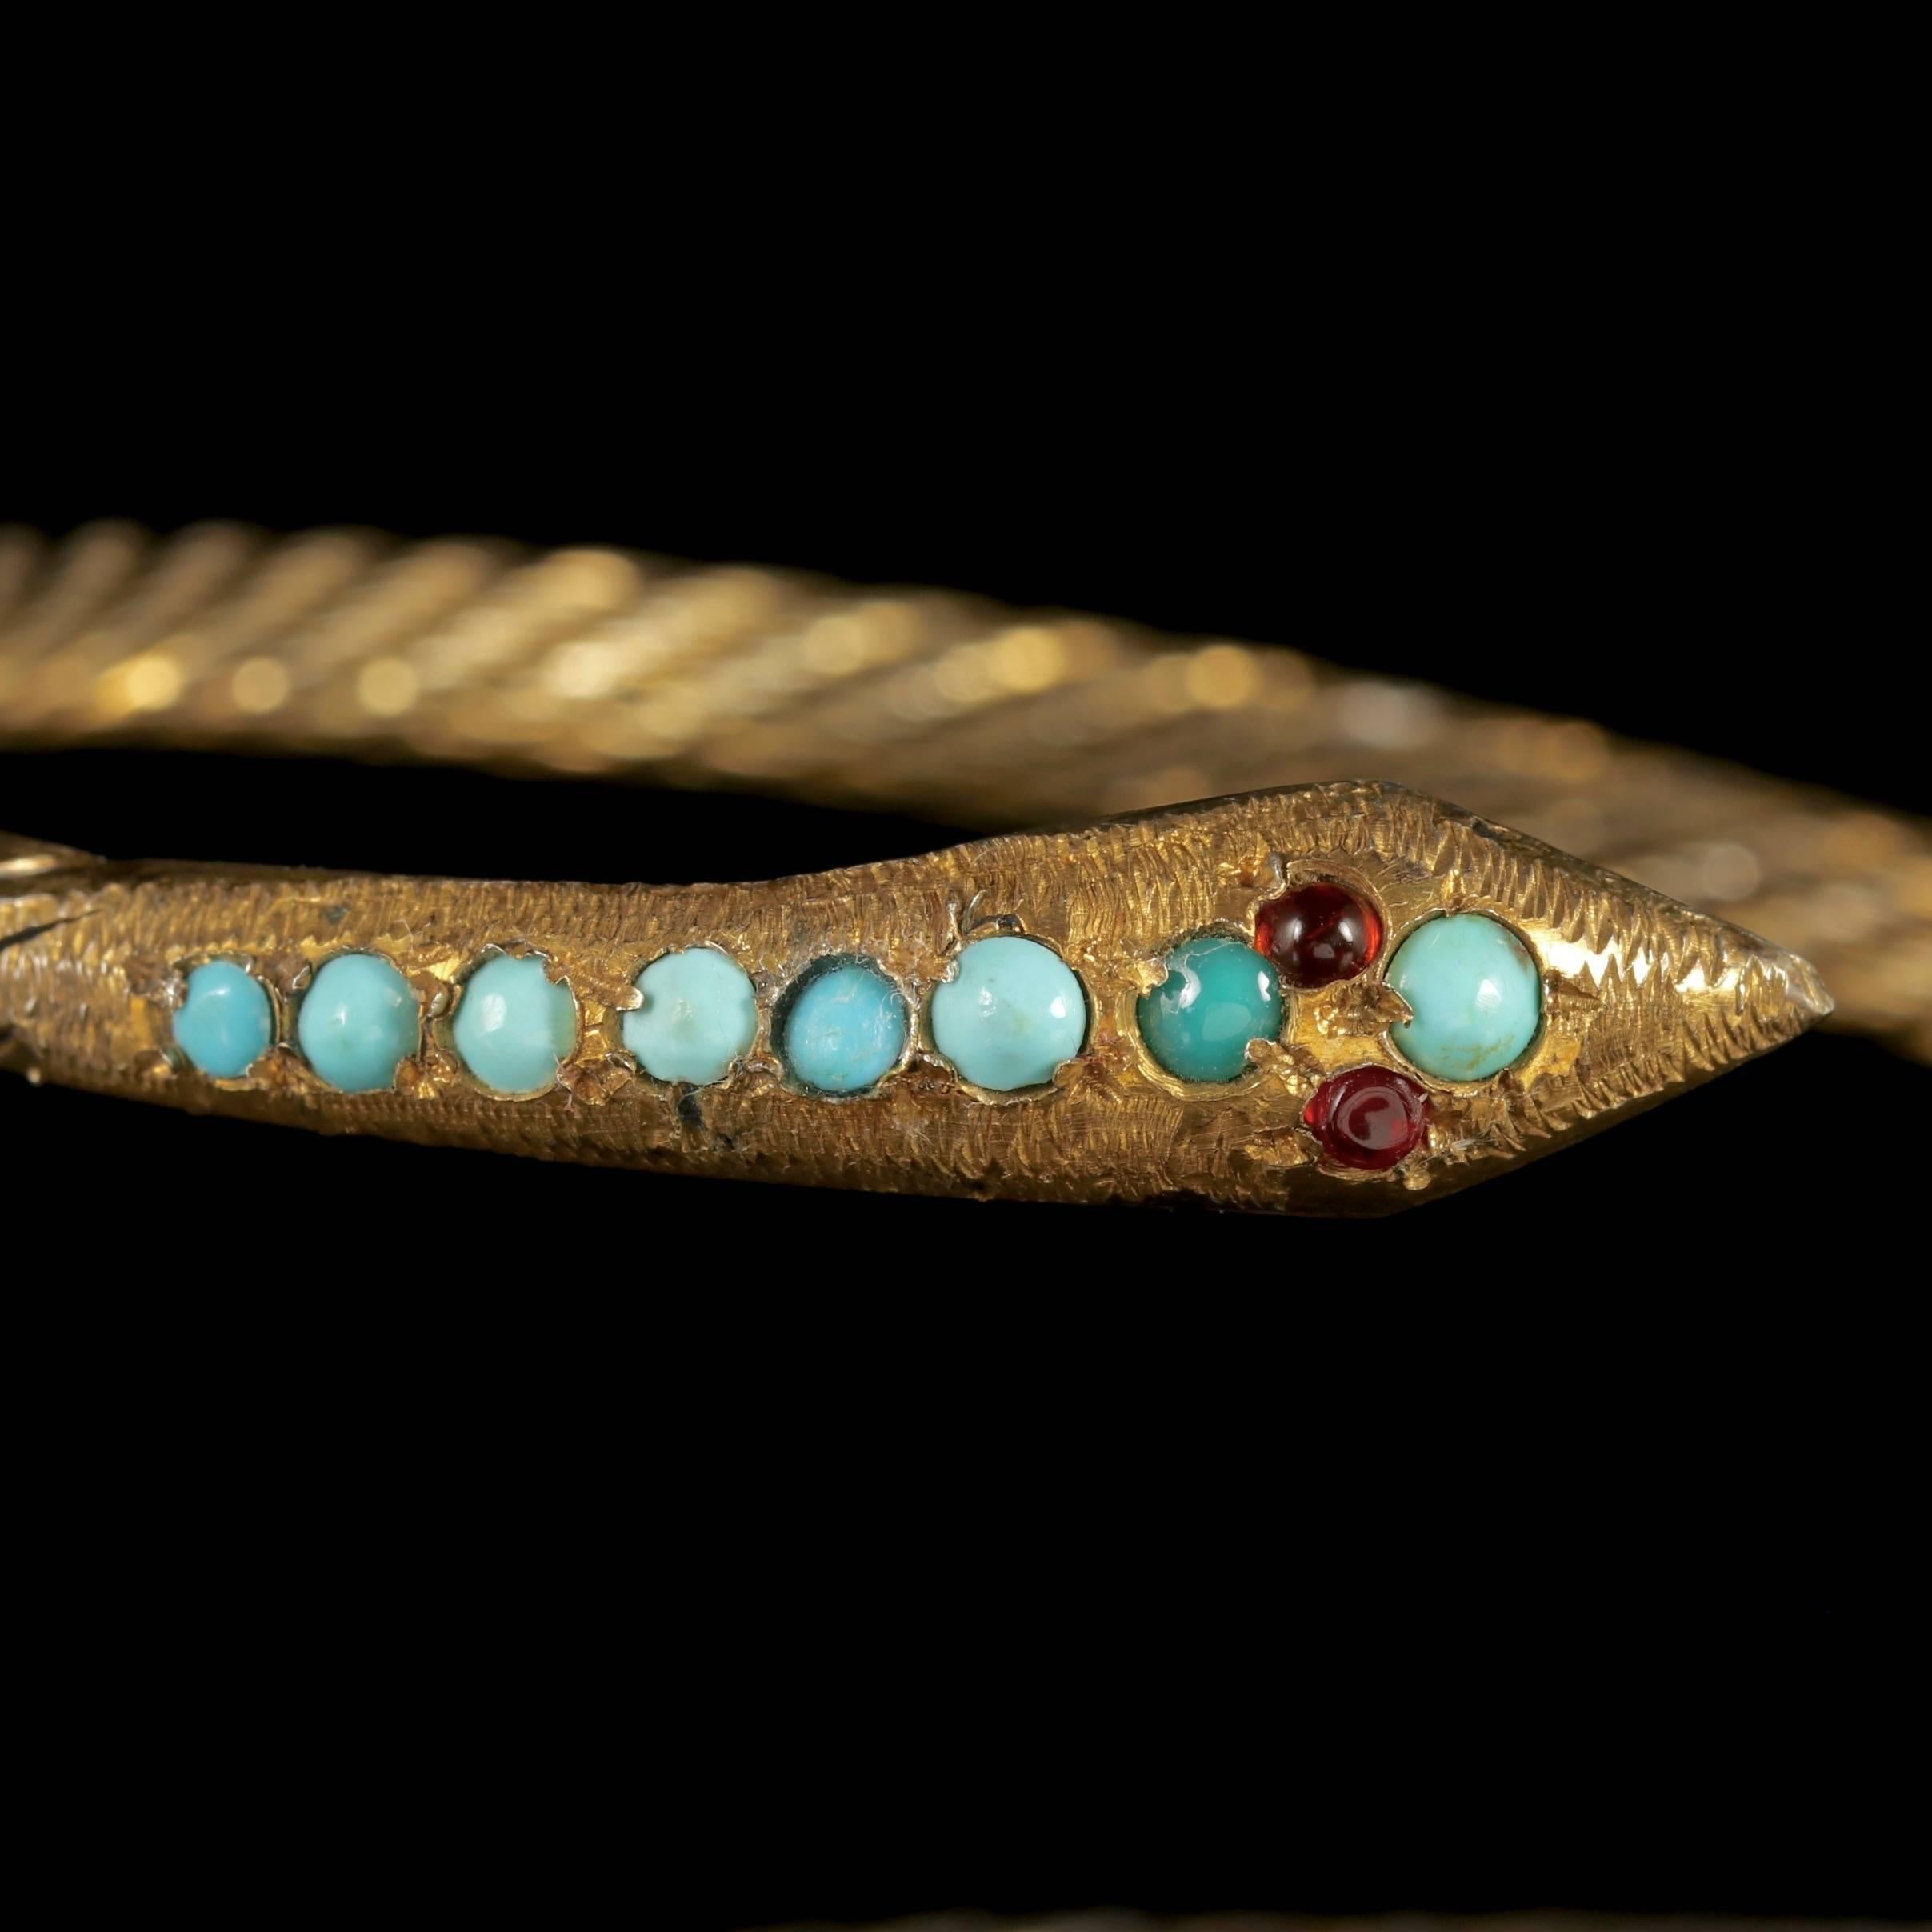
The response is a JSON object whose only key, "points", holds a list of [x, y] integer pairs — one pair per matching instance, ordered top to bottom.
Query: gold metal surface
{"points": [[1642, 997]]}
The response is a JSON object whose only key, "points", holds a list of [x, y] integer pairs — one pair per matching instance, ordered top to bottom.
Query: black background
{"points": [[835, 1557]]}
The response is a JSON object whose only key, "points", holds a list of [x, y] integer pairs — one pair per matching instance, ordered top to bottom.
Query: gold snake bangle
{"points": [[1643, 966]]}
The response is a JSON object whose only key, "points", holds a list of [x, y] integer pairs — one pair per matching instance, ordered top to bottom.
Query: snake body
{"points": [[1642, 997]]}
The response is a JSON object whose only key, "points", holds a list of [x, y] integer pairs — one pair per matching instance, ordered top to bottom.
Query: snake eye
{"points": [[1319, 933], [1369, 1118]]}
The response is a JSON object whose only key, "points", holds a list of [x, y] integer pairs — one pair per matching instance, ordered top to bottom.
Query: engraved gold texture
{"points": [[1642, 997]]}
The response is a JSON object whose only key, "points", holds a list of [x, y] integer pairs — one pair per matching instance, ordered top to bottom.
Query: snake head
{"points": [[1456, 998]]}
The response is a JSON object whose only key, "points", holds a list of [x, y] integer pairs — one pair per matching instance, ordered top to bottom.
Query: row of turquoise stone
{"points": [[1012, 1013]]}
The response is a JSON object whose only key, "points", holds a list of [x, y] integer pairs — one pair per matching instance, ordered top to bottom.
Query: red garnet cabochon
{"points": [[1318, 934], [1369, 1117]]}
